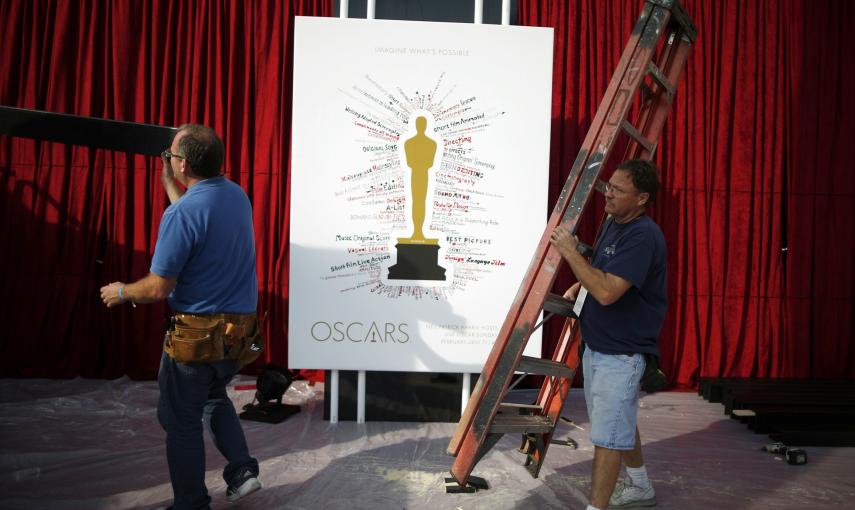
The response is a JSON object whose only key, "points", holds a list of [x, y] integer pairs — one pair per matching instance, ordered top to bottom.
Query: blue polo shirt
{"points": [[206, 241], [636, 252]]}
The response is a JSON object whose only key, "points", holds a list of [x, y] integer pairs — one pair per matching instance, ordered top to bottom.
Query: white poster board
{"points": [[368, 288]]}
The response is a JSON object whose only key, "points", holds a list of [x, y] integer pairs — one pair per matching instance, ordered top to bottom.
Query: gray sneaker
{"points": [[627, 495]]}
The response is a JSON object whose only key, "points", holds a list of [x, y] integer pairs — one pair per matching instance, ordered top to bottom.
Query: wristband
{"points": [[121, 299]]}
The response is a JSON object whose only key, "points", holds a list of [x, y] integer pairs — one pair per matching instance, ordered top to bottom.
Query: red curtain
{"points": [[757, 206], [76, 218]]}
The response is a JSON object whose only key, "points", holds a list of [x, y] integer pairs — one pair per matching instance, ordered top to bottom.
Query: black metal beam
{"points": [[107, 134]]}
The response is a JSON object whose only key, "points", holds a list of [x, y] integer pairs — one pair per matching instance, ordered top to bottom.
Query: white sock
{"points": [[638, 476], [591, 507]]}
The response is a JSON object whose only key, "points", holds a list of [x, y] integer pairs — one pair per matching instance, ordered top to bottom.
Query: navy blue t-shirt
{"points": [[206, 241], [635, 251]]}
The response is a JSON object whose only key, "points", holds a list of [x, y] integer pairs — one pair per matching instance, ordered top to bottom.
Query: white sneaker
{"points": [[249, 485], [627, 495]]}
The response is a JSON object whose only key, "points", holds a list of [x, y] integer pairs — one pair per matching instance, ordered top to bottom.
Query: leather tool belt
{"points": [[192, 338]]}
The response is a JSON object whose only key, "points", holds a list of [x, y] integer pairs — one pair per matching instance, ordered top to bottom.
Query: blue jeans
{"points": [[191, 393], [611, 395]]}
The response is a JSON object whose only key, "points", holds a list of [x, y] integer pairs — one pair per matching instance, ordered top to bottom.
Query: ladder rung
{"points": [[654, 71], [638, 137], [557, 304], [548, 367], [516, 406], [743, 413], [508, 423]]}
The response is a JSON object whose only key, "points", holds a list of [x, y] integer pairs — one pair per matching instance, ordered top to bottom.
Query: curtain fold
{"points": [[757, 200], [76, 218]]}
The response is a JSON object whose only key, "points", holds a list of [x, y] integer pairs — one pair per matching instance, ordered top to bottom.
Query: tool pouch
{"points": [[192, 338], [195, 338], [244, 341], [653, 379]]}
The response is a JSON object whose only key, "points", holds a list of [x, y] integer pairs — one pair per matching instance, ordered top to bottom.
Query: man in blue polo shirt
{"points": [[204, 265], [621, 300]]}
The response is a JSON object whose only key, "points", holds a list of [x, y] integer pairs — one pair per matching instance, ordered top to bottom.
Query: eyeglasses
{"points": [[166, 154], [614, 189], [617, 191]]}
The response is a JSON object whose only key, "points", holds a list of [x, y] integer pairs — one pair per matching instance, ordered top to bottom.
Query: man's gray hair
{"points": [[202, 149]]}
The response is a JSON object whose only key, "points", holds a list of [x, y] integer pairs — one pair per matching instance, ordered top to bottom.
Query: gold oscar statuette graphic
{"points": [[417, 255]]}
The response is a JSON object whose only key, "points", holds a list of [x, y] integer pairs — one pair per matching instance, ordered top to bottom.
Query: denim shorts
{"points": [[611, 395]]}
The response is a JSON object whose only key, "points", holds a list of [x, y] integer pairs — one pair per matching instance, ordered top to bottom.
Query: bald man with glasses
{"points": [[204, 265]]}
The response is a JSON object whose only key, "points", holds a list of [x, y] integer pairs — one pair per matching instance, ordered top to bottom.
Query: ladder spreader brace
{"points": [[486, 417]]}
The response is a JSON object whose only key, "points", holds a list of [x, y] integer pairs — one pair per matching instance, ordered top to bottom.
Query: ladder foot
{"points": [[567, 442], [473, 484]]}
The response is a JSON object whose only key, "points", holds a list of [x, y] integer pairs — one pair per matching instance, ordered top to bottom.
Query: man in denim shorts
{"points": [[621, 302]]}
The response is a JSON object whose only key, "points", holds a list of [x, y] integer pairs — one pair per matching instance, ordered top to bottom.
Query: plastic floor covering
{"points": [[92, 444]]}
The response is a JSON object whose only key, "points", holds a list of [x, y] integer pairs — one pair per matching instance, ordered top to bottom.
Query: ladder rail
{"points": [[673, 58], [651, 119], [607, 121], [545, 255], [469, 440]]}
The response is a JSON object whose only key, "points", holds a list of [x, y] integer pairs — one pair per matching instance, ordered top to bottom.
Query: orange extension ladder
{"points": [[650, 68]]}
